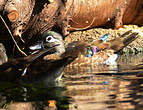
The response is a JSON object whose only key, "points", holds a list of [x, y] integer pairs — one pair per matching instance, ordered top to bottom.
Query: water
{"points": [[116, 87]]}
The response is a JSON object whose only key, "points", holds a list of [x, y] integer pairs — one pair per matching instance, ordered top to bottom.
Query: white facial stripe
{"points": [[51, 39]]}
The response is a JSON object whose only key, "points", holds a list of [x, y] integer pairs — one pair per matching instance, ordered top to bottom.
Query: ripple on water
{"points": [[90, 87], [103, 87]]}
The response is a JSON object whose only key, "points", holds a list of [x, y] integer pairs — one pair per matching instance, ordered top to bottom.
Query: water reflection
{"points": [[103, 87], [106, 87], [105, 93], [32, 97]]}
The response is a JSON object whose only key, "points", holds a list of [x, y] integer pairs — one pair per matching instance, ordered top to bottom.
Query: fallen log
{"points": [[2, 3], [30, 18]]}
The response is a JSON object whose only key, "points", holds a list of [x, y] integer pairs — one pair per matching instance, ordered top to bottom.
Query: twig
{"points": [[12, 36]]}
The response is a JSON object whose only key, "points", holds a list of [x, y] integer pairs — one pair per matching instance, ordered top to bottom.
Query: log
{"points": [[2, 3], [18, 13], [95, 13], [46, 17], [30, 18], [3, 56]]}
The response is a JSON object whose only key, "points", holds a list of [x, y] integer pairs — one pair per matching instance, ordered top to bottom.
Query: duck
{"points": [[97, 52], [49, 56]]}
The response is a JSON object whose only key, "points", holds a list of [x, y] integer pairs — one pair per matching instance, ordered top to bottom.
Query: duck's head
{"points": [[49, 39]]}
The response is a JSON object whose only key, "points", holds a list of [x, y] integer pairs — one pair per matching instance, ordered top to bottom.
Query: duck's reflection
{"points": [[32, 97]]}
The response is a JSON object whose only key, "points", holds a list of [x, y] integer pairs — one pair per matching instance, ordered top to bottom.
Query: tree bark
{"points": [[2, 3], [30, 18]]}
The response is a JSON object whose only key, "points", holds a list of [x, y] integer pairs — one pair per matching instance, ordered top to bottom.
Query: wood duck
{"points": [[48, 40], [83, 53], [34, 68]]}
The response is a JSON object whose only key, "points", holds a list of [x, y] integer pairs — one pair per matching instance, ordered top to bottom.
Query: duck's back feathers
{"points": [[119, 42], [76, 49], [106, 50]]}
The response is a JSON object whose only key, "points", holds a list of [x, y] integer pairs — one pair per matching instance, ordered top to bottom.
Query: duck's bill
{"points": [[37, 46], [38, 54]]}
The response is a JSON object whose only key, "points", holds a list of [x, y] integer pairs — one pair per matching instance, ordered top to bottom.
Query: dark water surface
{"points": [[114, 87]]}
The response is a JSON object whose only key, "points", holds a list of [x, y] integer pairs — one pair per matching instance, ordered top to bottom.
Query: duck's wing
{"points": [[100, 40], [120, 42], [75, 49], [18, 65]]}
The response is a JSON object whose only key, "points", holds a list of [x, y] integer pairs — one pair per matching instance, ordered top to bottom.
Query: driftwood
{"points": [[28, 18]]}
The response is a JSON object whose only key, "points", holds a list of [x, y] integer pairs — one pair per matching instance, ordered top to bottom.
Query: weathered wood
{"points": [[2, 3], [19, 13], [94, 13], [13, 15], [33, 17], [45, 19], [3, 56]]}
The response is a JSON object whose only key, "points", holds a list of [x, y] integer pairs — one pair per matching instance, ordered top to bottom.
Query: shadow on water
{"points": [[91, 87]]}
